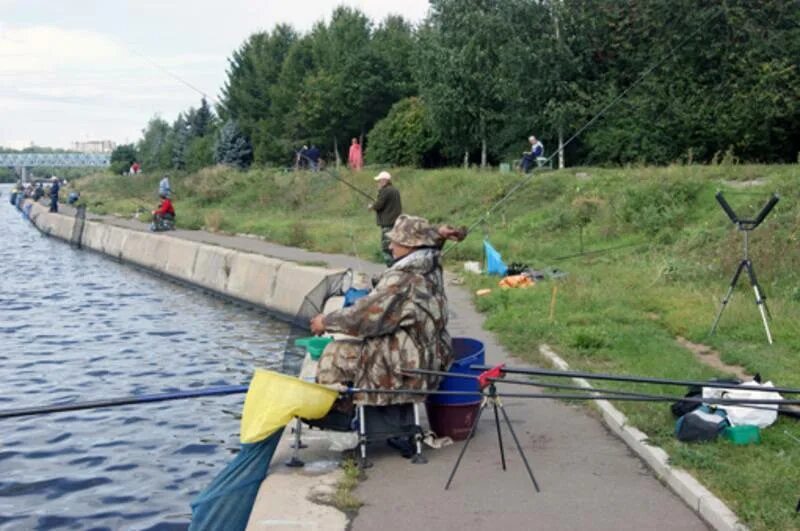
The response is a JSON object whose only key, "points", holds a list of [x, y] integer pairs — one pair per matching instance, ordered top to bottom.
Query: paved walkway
{"points": [[589, 479]]}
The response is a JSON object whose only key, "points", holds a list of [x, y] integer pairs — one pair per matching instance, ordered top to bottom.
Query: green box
{"points": [[314, 345], [742, 434]]}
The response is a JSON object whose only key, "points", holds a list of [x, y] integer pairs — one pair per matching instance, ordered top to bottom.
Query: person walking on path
{"points": [[355, 158], [54, 189], [164, 189], [387, 208]]}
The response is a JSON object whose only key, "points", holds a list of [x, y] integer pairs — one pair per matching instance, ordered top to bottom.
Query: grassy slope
{"points": [[618, 311]]}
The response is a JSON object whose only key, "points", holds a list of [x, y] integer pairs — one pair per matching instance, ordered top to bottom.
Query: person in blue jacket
{"points": [[529, 157], [54, 189]]}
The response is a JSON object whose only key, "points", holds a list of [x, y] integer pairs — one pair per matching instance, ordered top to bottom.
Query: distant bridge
{"points": [[54, 160]]}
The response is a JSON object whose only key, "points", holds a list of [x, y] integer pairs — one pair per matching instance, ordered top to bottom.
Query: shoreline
{"points": [[637, 498]]}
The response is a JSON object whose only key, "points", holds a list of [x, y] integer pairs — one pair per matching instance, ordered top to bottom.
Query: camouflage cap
{"points": [[413, 231]]}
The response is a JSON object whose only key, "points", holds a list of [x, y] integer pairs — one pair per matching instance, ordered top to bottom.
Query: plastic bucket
{"points": [[314, 345], [467, 352], [452, 420]]}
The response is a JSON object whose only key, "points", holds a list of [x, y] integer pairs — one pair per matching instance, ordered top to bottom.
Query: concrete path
{"points": [[589, 478]]}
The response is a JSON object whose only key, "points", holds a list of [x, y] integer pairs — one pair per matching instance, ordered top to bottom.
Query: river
{"points": [[76, 326]]}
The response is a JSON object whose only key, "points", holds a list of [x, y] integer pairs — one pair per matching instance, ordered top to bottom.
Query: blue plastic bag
{"points": [[494, 262]]}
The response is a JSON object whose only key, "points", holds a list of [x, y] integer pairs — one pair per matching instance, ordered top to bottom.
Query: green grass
{"points": [[617, 311], [344, 499]]}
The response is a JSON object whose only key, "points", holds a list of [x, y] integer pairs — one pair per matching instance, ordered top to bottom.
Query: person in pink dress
{"points": [[355, 160]]}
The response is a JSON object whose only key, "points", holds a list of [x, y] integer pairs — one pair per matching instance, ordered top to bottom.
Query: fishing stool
{"points": [[373, 424]]}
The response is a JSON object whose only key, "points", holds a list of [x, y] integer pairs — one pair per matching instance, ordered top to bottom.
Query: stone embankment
{"points": [[276, 285]]}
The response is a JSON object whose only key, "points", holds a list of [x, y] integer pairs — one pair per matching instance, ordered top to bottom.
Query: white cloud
{"points": [[42, 48]]}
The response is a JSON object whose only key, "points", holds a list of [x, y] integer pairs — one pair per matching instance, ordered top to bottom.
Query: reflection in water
{"points": [[75, 326]]}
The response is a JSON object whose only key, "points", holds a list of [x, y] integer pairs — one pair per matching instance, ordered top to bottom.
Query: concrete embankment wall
{"points": [[273, 284]]}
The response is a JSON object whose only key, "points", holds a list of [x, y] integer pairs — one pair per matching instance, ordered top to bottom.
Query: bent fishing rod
{"points": [[592, 120]]}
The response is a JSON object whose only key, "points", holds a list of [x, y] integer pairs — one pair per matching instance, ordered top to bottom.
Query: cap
{"points": [[384, 175], [413, 231]]}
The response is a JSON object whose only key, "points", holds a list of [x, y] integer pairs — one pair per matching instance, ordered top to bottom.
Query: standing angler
{"points": [[387, 208]]}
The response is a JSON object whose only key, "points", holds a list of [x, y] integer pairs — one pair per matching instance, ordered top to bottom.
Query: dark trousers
{"points": [[528, 161], [53, 204]]}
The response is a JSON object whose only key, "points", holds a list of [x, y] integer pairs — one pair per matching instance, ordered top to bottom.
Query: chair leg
{"points": [[362, 439], [418, 458], [294, 461]]}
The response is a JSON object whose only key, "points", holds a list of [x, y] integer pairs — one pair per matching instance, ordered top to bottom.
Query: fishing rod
{"points": [[592, 120], [353, 187], [638, 379], [615, 392], [122, 401], [743, 402]]}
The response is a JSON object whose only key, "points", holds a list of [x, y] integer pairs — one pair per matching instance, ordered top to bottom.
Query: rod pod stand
{"points": [[745, 226], [494, 399]]}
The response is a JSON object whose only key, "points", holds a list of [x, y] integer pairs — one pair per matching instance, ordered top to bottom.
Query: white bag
{"points": [[762, 415]]}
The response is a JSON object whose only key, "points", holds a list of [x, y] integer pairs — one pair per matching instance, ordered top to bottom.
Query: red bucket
{"points": [[452, 420]]}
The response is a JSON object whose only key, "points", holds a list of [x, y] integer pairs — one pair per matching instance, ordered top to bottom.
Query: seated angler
{"points": [[529, 157], [164, 215], [401, 324]]}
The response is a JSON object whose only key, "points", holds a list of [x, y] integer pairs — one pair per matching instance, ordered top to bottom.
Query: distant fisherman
{"points": [[163, 187], [54, 189], [387, 208]]}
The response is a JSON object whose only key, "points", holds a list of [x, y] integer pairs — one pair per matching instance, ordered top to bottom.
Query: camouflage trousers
{"points": [[388, 259], [339, 362], [342, 362]]}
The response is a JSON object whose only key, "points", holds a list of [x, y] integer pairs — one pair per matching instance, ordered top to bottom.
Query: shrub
{"points": [[404, 137]]}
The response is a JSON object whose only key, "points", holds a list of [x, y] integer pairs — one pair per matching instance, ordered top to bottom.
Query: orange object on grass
{"points": [[516, 281]]}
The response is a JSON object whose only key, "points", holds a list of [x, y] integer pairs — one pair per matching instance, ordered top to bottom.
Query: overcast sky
{"points": [[77, 70]]}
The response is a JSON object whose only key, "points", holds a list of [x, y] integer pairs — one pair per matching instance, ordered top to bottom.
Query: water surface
{"points": [[77, 326]]}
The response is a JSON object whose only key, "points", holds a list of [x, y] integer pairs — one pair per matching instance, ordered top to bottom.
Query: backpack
{"points": [[702, 424]]}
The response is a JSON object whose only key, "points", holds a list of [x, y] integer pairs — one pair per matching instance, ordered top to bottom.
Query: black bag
{"points": [[702, 424]]}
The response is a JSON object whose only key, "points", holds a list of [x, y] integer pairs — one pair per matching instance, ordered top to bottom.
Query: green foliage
{"points": [[404, 137], [155, 147], [232, 147], [122, 158]]}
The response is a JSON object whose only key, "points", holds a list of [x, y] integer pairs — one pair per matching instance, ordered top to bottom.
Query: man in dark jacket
{"points": [[54, 189], [387, 208]]}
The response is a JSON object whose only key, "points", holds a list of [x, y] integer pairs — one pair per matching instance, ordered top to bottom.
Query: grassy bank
{"points": [[622, 310]]}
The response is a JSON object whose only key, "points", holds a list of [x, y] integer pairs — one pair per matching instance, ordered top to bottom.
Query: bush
{"points": [[404, 137]]}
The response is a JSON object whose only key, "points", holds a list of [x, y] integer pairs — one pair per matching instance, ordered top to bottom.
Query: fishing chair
{"points": [[397, 425]]}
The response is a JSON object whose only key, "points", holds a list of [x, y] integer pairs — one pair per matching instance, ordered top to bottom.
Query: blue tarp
{"points": [[494, 262], [227, 501]]}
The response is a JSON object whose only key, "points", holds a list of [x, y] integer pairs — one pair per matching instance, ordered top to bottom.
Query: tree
{"points": [[461, 72], [181, 135], [405, 137], [232, 147], [155, 148], [122, 157]]}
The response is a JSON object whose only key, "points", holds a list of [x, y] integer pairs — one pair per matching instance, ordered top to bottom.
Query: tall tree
{"points": [[461, 71]]}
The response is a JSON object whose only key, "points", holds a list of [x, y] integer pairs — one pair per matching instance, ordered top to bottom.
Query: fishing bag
{"points": [[702, 424]]}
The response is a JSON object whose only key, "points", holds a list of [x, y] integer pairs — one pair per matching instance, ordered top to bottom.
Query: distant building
{"points": [[94, 146]]}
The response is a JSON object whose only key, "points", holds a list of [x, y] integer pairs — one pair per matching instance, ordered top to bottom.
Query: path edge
{"points": [[701, 500]]}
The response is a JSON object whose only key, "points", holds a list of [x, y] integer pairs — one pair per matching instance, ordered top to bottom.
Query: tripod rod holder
{"points": [[747, 224]]}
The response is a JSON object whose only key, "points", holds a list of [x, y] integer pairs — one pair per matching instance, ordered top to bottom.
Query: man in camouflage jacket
{"points": [[401, 324]]}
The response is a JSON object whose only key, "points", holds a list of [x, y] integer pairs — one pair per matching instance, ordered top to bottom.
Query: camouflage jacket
{"points": [[403, 325]]}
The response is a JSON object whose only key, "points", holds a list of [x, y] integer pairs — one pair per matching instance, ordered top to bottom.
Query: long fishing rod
{"points": [[588, 124], [353, 187], [637, 379], [238, 389], [615, 392], [122, 401], [743, 402]]}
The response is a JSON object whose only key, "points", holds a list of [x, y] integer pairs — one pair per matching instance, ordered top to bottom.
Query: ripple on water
{"points": [[106, 330]]}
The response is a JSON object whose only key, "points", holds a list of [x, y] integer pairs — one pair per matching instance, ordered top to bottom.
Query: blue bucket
{"points": [[468, 352]]}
